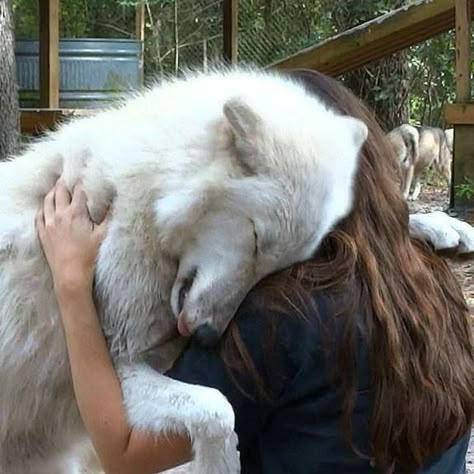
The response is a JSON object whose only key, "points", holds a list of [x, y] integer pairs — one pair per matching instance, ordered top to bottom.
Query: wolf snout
{"points": [[183, 327], [206, 335]]}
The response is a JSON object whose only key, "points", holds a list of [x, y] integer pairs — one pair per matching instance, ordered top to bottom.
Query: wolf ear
{"points": [[242, 120], [244, 126], [357, 129]]}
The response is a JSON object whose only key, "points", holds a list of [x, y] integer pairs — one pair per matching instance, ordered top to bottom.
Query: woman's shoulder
{"points": [[298, 316], [271, 334]]}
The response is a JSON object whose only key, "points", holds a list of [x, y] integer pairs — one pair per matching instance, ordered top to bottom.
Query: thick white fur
{"points": [[225, 177], [443, 232]]}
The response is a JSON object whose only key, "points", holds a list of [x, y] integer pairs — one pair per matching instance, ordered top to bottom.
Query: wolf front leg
{"points": [[407, 178], [416, 187], [160, 405]]}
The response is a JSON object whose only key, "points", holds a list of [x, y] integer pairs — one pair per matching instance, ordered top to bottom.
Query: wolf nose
{"points": [[206, 335]]}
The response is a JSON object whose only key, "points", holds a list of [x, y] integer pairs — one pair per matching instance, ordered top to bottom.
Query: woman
{"points": [[360, 360]]}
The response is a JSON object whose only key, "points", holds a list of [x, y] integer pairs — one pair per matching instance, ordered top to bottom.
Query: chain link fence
{"points": [[270, 30], [189, 33], [183, 34]]}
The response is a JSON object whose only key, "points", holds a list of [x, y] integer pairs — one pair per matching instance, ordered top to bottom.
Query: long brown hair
{"points": [[421, 353]]}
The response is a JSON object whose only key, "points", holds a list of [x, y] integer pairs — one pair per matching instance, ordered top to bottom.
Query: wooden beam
{"points": [[231, 30], [140, 34], [376, 39], [463, 50], [49, 53], [459, 114]]}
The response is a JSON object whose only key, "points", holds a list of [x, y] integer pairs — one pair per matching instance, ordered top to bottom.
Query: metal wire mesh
{"points": [[273, 29], [189, 33], [184, 34]]}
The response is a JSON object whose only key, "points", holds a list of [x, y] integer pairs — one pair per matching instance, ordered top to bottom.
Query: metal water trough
{"points": [[92, 72]]}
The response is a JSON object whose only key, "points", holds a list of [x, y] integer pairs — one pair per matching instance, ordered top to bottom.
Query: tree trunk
{"points": [[383, 85], [9, 115]]}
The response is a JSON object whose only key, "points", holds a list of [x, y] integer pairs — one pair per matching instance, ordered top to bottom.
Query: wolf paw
{"points": [[443, 232], [158, 403], [210, 415], [216, 456]]}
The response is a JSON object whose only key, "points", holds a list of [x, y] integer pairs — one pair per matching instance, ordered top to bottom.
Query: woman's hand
{"points": [[69, 238], [71, 241]]}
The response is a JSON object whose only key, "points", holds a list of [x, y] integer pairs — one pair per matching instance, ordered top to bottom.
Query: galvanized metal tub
{"points": [[92, 72]]}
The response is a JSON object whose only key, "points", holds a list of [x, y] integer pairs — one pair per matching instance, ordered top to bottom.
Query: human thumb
{"points": [[101, 229]]}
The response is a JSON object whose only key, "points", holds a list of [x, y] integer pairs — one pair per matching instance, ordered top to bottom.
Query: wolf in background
{"points": [[417, 149]]}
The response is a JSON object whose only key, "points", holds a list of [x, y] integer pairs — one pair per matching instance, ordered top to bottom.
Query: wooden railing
{"points": [[376, 39]]}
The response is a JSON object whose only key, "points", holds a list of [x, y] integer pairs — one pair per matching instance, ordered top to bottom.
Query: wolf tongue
{"points": [[183, 328]]}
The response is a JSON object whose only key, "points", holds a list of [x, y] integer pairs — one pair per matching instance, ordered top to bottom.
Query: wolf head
{"points": [[283, 179]]}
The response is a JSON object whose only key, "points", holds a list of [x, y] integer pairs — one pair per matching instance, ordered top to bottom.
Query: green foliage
{"points": [[26, 18], [78, 19], [432, 79], [382, 84], [433, 177], [465, 190]]}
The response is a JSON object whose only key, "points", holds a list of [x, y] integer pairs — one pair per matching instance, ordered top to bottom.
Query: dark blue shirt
{"points": [[296, 428]]}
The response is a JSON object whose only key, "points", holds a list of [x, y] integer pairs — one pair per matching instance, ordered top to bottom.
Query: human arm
{"points": [[71, 242], [275, 346]]}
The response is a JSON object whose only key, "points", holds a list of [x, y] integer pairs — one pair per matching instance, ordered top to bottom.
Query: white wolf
{"points": [[419, 148], [216, 181]]}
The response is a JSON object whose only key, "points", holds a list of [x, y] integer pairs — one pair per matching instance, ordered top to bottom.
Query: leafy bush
{"points": [[465, 190]]}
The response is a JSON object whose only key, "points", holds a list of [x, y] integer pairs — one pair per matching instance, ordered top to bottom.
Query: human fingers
{"points": [[62, 197], [79, 200], [49, 208], [101, 229]]}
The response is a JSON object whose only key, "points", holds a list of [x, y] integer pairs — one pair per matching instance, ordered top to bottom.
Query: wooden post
{"points": [[231, 30], [140, 34], [463, 51], [49, 53], [463, 154]]}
